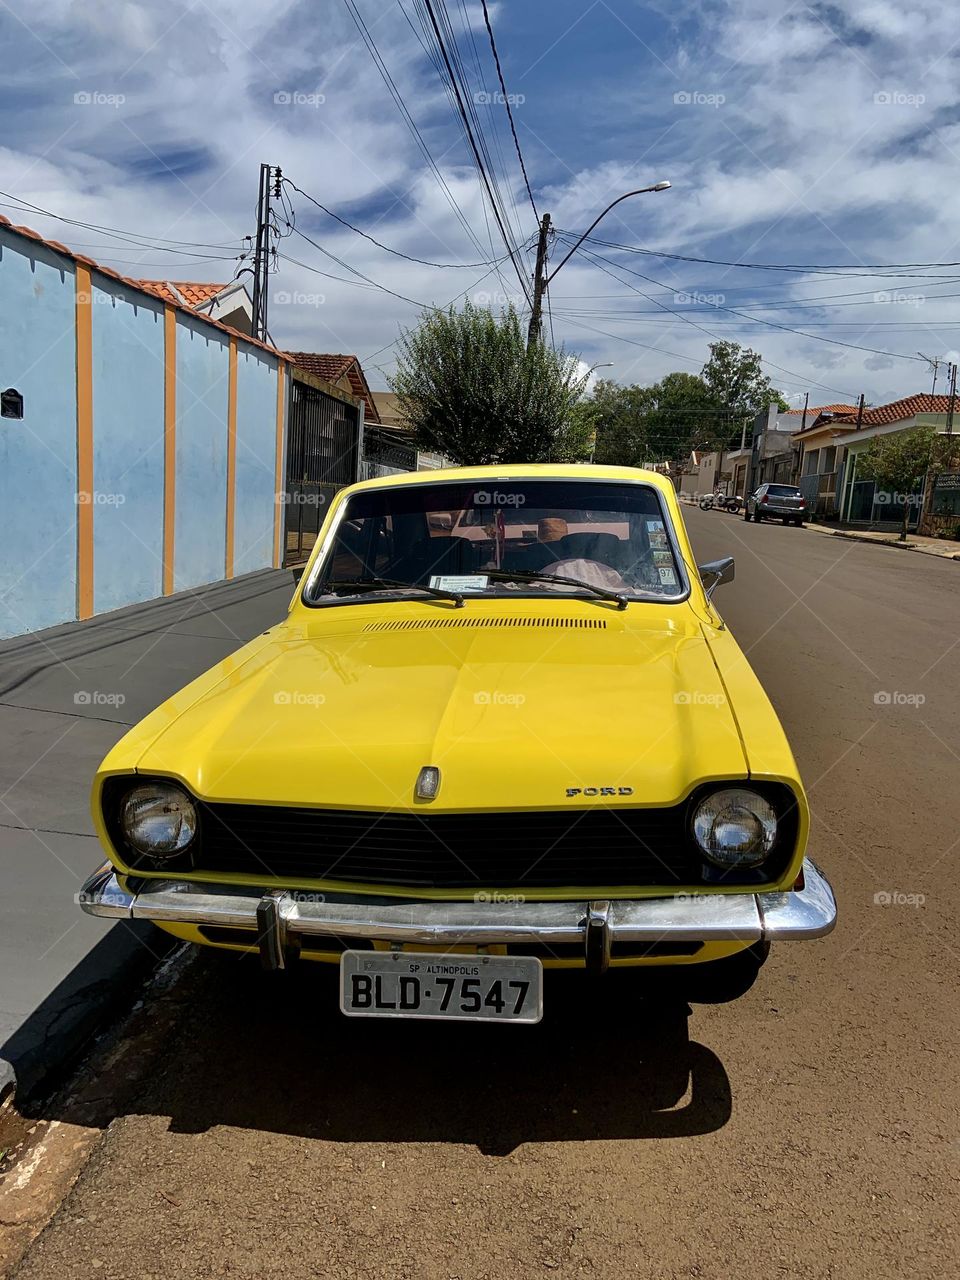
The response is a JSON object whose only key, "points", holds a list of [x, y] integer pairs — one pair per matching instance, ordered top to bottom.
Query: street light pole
{"points": [[541, 279]]}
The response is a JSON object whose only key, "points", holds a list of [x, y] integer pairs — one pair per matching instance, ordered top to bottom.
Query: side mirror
{"points": [[719, 570], [298, 572]]}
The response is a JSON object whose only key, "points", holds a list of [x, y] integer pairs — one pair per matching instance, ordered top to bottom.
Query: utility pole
{"points": [[269, 185], [539, 283], [953, 397], [860, 412]]}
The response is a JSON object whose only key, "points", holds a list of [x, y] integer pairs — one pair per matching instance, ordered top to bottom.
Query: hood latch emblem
{"points": [[428, 782]]}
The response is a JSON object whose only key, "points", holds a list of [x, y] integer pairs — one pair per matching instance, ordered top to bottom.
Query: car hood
{"points": [[516, 711]]}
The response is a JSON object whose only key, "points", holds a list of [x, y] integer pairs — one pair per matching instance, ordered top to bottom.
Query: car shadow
{"points": [[271, 1052]]}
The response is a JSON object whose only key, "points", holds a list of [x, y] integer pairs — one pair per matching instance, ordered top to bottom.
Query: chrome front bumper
{"points": [[279, 919]]}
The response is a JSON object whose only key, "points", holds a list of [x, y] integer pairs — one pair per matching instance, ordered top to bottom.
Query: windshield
{"points": [[783, 491], [602, 537]]}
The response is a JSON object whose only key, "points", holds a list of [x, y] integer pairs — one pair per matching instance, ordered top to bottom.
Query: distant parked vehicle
{"points": [[777, 502]]}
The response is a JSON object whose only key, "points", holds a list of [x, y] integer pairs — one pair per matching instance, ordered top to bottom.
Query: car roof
{"points": [[524, 471]]}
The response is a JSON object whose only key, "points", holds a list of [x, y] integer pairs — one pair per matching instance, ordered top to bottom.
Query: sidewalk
{"points": [[945, 548], [66, 695]]}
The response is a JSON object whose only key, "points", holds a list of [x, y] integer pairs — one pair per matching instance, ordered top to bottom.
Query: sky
{"points": [[793, 135]]}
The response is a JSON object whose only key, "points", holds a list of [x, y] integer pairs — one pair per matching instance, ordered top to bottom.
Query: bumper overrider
{"points": [[279, 919]]}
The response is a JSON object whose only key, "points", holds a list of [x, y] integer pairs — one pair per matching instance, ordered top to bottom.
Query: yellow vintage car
{"points": [[502, 727]]}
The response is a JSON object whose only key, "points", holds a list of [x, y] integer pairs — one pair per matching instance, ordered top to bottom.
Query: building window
{"points": [[11, 403]]}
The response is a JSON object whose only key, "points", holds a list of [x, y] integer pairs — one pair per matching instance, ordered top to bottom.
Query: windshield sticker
{"points": [[657, 533], [667, 577], [460, 581]]}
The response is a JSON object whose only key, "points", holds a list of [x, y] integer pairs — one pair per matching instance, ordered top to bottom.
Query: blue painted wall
{"points": [[202, 388], [127, 445], [38, 454], [256, 460]]}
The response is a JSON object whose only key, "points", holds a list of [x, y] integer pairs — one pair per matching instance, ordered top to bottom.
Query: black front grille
{"points": [[450, 851]]}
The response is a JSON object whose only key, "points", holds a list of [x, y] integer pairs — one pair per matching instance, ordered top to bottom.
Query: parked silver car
{"points": [[776, 502]]}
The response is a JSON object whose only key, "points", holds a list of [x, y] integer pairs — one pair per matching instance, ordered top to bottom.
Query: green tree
{"points": [[738, 387], [470, 389], [620, 415], [682, 417], [659, 423], [575, 440], [897, 464]]}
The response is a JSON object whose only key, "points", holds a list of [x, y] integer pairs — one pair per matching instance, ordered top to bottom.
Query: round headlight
{"points": [[158, 818], [735, 827]]}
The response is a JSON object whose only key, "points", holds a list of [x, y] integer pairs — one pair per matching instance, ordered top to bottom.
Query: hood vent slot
{"points": [[438, 624]]}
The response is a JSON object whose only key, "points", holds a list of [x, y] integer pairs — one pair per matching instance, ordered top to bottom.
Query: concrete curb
{"points": [[883, 542]]}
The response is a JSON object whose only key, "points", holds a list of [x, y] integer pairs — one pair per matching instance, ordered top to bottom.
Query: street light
{"points": [[659, 186], [540, 277]]}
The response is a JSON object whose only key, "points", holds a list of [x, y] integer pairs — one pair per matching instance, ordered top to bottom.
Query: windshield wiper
{"points": [[531, 575], [386, 584]]}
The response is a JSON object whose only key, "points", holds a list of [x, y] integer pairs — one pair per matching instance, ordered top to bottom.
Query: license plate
{"points": [[407, 984]]}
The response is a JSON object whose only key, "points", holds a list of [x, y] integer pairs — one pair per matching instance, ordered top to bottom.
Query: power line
{"points": [[506, 103], [411, 124], [481, 169], [139, 239], [396, 252], [347, 267], [853, 268], [836, 342], [802, 380]]}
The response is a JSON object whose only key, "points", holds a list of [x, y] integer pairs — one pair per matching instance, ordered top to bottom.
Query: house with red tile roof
{"points": [[341, 371], [861, 502]]}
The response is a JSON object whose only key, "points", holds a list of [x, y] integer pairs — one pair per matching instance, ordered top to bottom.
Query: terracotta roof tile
{"points": [[151, 287], [192, 293], [332, 368], [814, 410], [899, 410]]}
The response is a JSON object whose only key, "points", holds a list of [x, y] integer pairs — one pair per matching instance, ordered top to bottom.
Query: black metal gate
{"points": [[322, 457]]}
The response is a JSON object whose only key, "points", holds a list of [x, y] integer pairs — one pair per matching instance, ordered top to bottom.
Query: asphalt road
{"points": [[808, 1130]]}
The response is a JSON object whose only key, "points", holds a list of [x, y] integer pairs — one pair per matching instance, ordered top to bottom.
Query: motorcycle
{"points": [[724, 502]]}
